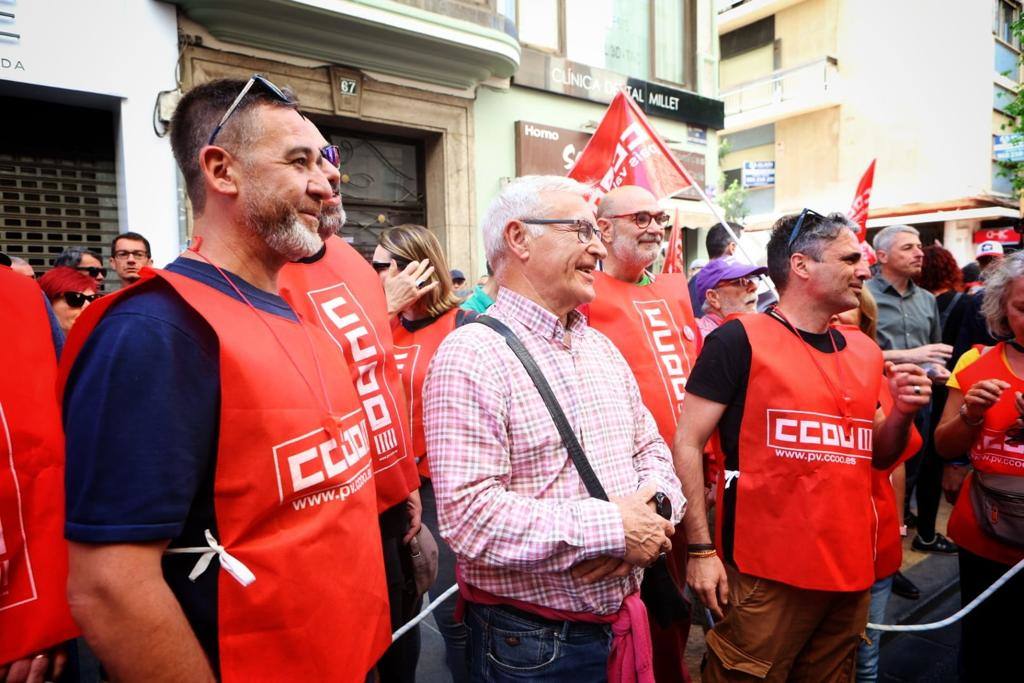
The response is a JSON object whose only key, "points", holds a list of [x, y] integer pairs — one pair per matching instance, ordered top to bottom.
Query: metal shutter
{"points": [[49, 203]]}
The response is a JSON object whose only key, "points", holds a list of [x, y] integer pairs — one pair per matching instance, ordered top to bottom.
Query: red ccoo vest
{"points": [[341, 293], [654, 329], [413, 350], [990, 453], [293, 496], [801, 501], [33, 554]]}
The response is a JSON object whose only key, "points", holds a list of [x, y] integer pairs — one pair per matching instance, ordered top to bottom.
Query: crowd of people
{"points": [[260, 458]]}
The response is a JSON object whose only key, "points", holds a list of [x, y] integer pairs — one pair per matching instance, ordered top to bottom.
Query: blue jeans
{"points": [[506, 646], [867, 653]]}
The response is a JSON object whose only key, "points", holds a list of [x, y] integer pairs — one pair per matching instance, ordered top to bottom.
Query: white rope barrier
{"points": [[964, 611], [412, 623]]}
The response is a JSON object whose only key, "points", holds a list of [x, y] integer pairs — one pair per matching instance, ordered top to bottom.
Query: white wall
{"points": [[123, 49]]}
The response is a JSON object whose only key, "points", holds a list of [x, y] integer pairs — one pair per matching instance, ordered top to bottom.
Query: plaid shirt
{"points": [[510, 501]]}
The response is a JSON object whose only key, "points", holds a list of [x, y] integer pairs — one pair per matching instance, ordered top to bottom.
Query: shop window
{"points": [[647, 39], [1001, 97], [381, 185]]}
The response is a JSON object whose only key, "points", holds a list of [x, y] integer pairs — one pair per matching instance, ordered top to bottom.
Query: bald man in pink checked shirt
{"points": [[548, 574]]}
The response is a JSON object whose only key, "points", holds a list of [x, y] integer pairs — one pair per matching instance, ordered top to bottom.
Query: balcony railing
{"points": [[807, 82]]}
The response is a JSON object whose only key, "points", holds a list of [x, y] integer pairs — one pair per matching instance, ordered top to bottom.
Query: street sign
{"points": [[1008, 147], [758, 174]]}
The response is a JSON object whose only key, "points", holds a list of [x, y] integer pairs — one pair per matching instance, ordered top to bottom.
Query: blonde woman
{"points": [[421, 323]]}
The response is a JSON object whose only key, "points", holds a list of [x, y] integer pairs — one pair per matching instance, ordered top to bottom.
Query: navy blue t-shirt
{"points": [[141, 415]]}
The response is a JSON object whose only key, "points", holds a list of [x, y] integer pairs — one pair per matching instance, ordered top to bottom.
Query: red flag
{"points": [[625, 150], [859, 210], [673, 262]]}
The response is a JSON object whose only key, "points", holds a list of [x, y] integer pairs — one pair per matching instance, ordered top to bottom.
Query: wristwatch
{"points": [[662, 505]]}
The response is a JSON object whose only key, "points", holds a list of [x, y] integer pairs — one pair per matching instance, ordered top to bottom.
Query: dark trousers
{"points": [[924, 476], [453, 632], [990, 636], [509, 645], [398, 665]]}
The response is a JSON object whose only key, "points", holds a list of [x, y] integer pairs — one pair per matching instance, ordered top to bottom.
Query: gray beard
{"points": [[281, 228]]}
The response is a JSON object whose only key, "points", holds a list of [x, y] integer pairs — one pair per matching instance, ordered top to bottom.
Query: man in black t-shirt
{"points": [[797, 443]]}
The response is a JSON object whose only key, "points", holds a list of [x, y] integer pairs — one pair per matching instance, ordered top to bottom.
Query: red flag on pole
{"points": [[625, 150], [859, 210], [673, 262]]}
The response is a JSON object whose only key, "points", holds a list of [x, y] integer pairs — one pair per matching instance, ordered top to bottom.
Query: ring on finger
{"points": [[917, 389]]}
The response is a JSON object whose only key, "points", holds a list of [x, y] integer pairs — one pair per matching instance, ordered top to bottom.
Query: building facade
{"points": [[816, 89], [79, 158]]}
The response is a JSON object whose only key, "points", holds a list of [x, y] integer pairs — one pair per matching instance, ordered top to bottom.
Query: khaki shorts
{"points": [[775, 632]]}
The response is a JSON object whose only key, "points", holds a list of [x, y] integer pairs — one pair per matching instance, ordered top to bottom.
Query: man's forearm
{"points": [[900, 355], [891, 439], [689, 462], [136, 628]]}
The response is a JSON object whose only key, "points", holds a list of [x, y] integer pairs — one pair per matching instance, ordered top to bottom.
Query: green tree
{"points": [[732, 199]]}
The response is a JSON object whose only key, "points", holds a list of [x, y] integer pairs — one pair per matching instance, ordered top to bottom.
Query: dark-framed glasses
{"points": [[256, 79], [643, 218], [585, 230], [795, 232], [122, 254], [93, 271], [77, 299]]}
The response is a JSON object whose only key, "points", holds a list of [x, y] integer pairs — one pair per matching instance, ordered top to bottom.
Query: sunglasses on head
{"points": [[330, 153], [795, 232], [93, 271], [77, 299]]}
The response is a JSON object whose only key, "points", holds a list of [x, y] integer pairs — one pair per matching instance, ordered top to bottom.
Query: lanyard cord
{"points": [[325, 398], [841, 398]]}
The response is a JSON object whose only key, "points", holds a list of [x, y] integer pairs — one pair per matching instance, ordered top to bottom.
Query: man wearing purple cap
{"points": [[725, 287]]}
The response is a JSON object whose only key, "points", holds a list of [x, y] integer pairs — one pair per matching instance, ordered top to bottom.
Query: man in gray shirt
{"points": [[909, 331]]}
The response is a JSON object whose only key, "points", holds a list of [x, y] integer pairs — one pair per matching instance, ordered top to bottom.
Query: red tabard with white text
{"points": [[342, 293], [653, 328], [413, 351], [990, 453], [293, 495], [803, 514], [33, 554]]}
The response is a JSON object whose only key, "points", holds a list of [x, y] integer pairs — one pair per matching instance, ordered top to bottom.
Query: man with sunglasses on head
{"points": [[84, 261], [725, 287], [649, 319], [796, 406], [220, 500], [545, 568]]}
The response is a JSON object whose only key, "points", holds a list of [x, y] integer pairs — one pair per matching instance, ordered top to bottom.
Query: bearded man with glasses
{"points": [[796, 406], [220, 499]]}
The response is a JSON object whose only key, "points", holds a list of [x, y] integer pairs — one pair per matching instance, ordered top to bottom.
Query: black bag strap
{"points": [[948, 310], [572, 444]]}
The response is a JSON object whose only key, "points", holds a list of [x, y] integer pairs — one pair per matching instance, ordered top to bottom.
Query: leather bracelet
{"points": [[967, 421], [696, 547]]}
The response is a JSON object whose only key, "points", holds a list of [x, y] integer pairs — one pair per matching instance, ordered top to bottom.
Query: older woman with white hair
{"points": [[984, 416]]}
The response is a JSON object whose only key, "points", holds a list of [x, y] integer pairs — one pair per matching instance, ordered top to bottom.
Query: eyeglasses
{"points": [[267, 85], [644, 218], [800, 223], [585, 230], [121, 255], [381, 266], [93, 271], [743, 282], [77, 299]]}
